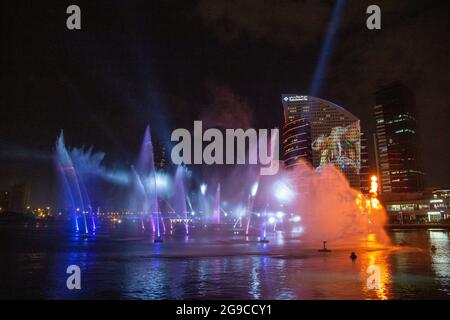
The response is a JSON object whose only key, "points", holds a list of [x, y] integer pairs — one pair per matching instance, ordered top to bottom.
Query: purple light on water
{"points": [[254, 189], [180, 196], [250, 202], [216, 216], [163, 225]]}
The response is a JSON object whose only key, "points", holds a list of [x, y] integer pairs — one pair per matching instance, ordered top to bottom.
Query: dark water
{"points": [[123, 264]]}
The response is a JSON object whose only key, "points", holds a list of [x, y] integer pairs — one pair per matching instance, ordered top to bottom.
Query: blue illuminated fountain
{"points": [[146, 178], [75, 193], [139, 197], [180, 197], [270, 199], [250, 203], [216, 215], [264, 227]]}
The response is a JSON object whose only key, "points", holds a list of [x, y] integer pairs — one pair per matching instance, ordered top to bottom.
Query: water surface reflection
{"points": [[123, 265]]}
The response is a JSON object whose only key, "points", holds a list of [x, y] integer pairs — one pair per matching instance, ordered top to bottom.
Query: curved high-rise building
{"points": [[321, 132], [296, 142]]}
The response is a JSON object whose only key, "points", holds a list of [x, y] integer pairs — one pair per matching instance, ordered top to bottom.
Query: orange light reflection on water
{"points": [[376, 255]]}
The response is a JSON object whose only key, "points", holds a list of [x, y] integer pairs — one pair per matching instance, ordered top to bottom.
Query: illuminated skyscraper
{"points": [[321, 132], [396, 141], [364, 174]]}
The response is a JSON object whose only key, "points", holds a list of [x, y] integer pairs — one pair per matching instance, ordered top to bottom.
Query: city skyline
{"points": [[105, 83], [241, 152], [371, 168]]}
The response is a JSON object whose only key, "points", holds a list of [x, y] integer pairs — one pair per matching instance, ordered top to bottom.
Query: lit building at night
{"points": [[321, 132], [396, 140], [364, 174], [441, 193], [16, 199], [4, 201], [423, 207]]}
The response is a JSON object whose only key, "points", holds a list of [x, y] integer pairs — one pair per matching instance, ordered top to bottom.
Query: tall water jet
{"points": [[87, 164], [146, 172], [69, 175], [68, 196], [180, 196], [140, 197], [250, 201], [203, 202], [86, 203], [191, 209], [216, 216], [264, 226]]}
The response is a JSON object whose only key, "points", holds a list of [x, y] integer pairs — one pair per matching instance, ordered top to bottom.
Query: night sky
{"points": [[168, 63]]}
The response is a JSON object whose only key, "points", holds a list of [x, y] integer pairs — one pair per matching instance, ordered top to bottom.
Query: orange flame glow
{"points": [[366, 205]]}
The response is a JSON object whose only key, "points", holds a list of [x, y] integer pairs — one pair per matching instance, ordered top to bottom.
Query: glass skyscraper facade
{"points": [[396, 141]]}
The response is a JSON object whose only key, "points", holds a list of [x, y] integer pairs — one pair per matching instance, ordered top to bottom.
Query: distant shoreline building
{"points": [[321, 132], [397, 155], [17, 199], [4, 201], [419, 208]]}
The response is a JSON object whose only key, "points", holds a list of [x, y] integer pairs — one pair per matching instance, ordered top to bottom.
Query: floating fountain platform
{"points": [[86, 236], [158, 240], [264, 240], [324, 248]]}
